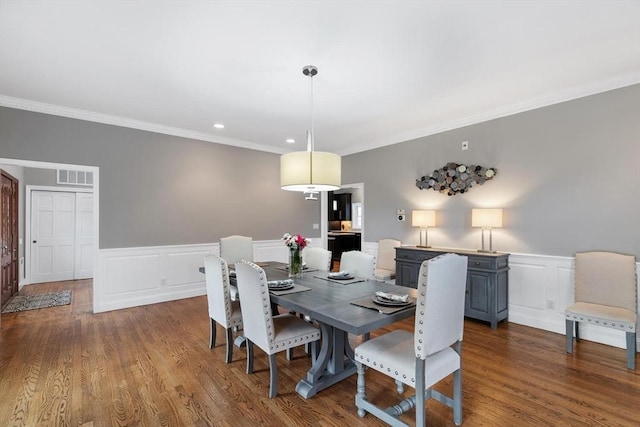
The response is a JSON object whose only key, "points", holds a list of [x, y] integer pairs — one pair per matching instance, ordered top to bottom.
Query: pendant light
{"points": [[310, 171]]}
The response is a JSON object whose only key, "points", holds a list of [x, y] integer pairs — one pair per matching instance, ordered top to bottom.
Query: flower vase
{"points": [[295, 263]]}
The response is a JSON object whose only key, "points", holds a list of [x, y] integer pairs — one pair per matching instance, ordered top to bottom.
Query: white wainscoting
{"points": [[130, 277], [540, 287]]}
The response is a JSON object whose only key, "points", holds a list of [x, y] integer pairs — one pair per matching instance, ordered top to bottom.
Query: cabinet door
{"points": [[407, 274], [478, 298]]}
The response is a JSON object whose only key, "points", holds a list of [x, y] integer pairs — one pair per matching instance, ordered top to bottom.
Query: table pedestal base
{"points": [[333, 364]]}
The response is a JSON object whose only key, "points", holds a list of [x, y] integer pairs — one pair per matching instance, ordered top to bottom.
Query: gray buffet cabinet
{"points": [[487, 294]]}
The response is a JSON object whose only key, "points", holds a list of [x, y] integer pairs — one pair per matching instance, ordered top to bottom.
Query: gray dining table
{"points": [[331, 305]]}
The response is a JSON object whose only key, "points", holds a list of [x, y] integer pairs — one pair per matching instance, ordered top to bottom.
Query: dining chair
{"points": [[233, 249], [317, 258], [386, 259], [360, 264], [606, 294], [221, 308], [272, 334], [422, 358]]}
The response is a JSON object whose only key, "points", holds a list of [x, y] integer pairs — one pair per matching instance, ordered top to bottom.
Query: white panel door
{"points": [[53, 225], [84, 236]]}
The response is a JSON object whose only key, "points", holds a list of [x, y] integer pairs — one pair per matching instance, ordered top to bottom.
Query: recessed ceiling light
{"points": [[218, 125], [291, 140]]}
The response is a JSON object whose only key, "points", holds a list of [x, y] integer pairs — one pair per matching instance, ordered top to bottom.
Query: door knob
{"points": [[35, 241]]}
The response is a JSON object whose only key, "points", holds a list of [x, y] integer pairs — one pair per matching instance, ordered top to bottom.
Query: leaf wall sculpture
{"points": [[454, 178]]}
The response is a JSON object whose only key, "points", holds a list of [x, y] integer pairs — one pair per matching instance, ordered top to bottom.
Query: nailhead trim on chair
{"points": [[617, 325]]}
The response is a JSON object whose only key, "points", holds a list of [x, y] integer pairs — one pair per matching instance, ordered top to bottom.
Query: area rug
{"points": [[33, 302]]}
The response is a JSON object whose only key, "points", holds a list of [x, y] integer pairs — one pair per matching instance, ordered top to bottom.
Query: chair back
{"points": [[236, 248], [317, 258], [386, 259], [358, 263], [216, 276], [606, 278], [256, 304], [439, 321]]}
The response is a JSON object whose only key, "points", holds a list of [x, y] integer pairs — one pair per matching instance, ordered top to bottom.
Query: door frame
{"points": [[96, 205], [27, 222], [15, 246]]}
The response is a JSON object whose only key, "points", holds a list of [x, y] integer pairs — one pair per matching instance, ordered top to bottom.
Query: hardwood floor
{"points": [[152, 366]]}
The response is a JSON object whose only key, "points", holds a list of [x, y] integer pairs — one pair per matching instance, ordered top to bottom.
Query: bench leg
{"points": [[569, 334], [631, 350]]}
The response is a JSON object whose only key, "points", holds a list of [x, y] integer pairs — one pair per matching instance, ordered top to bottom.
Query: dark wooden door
{"points": [[9, 237]]}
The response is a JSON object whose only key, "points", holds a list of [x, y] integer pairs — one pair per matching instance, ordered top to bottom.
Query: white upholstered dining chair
{"points": [[233, 249], [317, 258], [386, 259], [358, 264], [606, 294], [221, 308], [272, 334], [429, 354]]}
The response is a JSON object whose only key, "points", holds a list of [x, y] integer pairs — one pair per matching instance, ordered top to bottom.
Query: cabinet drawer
{"points": [[414, 255], [481, 263]]}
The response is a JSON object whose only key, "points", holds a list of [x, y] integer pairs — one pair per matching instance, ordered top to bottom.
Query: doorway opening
{"points": [[93, 211]]}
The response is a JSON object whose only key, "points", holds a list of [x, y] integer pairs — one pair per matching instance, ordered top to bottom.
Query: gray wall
{"points": [[568, 179], [164, 190]]}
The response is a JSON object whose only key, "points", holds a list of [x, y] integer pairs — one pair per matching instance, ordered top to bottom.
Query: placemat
{"points": [[342, 282], [296, 288], [366, 302]]}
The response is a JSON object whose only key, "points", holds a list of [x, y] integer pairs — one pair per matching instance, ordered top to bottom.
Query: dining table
{"points": [[340, 308]]}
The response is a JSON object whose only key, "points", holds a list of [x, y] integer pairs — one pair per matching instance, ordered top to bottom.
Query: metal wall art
{"points": [[454, 178]]}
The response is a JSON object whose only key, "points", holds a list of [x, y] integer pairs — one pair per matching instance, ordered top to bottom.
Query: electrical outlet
{"points": [[465, 145], [316, 226], [551, 305]]}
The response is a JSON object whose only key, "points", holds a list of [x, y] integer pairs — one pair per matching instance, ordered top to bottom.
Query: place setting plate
{"points": [[349, 277], [390, 303]]}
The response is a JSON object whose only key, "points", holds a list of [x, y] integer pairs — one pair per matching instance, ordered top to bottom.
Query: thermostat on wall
{"points": [[400, 215]]}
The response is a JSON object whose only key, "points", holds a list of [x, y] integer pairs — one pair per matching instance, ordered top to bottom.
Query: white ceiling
{"points": [[390, 71]]}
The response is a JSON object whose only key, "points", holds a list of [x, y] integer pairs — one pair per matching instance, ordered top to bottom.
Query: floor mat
{"points": [[33, 302]]}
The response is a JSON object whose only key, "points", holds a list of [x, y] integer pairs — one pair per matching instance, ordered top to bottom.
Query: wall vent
{"points": [[67, 176]]}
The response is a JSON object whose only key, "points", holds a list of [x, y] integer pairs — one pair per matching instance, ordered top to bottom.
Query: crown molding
{"points": [[618, 82], [74, 113]]}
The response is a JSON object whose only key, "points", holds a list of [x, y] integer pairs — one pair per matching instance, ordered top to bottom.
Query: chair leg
{"points": [[212, 333], [569, 335], [631, 350], [289, 352], [229, 356], [249, 357], [273, 376], [399, 387], [361, 392], [457, 397], [421, 419]]}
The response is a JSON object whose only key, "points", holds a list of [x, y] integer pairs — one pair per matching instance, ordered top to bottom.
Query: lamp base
{"points": [[487, 252]]}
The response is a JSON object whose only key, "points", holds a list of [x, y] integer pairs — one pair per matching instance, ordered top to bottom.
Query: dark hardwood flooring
{"points": [[151, 366]]}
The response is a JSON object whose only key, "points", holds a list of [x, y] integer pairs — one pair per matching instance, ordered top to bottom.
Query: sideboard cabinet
{"points": [[487, 293]]}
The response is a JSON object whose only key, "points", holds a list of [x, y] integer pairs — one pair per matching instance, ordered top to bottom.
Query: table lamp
{"points": [[487, 219], [424, 220]]}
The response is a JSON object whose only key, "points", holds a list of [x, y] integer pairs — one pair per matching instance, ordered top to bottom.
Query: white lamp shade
{"points": [[310, 171], [423, 218], [486, 218]]}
